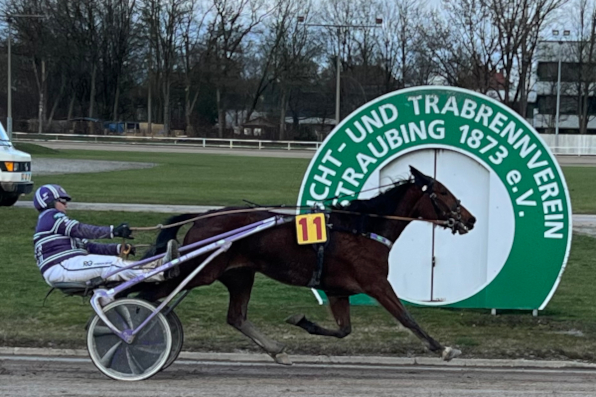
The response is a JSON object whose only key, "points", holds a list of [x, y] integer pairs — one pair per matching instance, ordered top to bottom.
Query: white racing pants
{"points": [[85, 267]]}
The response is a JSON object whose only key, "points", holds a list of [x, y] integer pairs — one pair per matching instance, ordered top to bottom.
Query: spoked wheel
{"points": [[177, 336], [142, 358]]}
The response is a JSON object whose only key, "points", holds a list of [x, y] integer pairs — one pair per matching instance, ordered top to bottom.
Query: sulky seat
{"points": [[73, 288]]}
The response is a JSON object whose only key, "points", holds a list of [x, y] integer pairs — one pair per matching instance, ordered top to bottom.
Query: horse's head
{"points": [[438, 203]]}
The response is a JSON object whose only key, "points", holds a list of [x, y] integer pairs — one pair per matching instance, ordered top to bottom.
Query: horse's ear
{"points": [[419, 178]]}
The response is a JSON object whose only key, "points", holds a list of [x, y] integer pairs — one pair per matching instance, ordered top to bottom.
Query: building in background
{"points": [[577, 88]]}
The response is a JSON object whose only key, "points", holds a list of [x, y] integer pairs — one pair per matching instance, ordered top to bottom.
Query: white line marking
{"points": [[420, 368]]}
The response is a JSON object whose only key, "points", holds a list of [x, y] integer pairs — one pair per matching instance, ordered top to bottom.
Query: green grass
{"points": [[33, 149], [181, 178], [203, 179], [224, 180], [581, 182], [26, 321]]}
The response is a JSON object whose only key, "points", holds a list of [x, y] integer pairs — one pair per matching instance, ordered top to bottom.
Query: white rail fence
{"points": [[180, 140], [573, 145]]}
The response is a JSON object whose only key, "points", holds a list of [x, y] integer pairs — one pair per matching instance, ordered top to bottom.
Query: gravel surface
{"points": [[44, 166], [64, 377]]}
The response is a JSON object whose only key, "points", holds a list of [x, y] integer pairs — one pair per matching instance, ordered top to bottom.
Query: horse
{"points": [[355, 258]]}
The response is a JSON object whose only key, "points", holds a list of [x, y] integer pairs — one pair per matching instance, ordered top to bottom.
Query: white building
{"points": [[549, 54]]}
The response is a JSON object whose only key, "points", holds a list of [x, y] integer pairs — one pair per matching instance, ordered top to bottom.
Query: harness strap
{"points": [[373, 236], [378, 238], [315, 280]]}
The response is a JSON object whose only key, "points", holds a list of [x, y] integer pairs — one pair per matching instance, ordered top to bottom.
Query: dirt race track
{"points": [[54, 376]]}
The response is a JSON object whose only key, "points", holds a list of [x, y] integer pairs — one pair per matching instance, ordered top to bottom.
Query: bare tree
{"points": [[165, 18], [233, 21], [518, 24], [117, 33], [35, 37], [91, 38], [354, 40], [400, 41], [464, 44], [73, 45], [296, 47], [582, 53], [193, 54], [265, 71]]}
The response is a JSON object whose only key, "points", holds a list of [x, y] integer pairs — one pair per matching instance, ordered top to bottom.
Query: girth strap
{"points": [[315, 280]]}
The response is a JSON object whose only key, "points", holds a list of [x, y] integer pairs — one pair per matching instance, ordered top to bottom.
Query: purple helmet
{"points": [[46, 195]]}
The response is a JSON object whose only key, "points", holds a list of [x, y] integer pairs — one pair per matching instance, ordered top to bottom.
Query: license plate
{"points": [[26, 176]]}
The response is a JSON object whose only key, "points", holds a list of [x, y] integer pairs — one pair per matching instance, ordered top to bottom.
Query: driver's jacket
{"points": [[57, 238]]}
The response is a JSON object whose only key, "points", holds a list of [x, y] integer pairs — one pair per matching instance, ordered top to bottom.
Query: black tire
{"points": [[7, 199], [177, 337]]}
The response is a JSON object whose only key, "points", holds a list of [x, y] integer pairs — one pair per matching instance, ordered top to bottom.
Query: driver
{"points": [[64, 253]]}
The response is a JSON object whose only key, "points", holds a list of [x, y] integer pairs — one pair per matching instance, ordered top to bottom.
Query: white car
{"points": [[15, 171]]}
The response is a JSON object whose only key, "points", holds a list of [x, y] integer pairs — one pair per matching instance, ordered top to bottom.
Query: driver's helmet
{"points": [[46, 196]]}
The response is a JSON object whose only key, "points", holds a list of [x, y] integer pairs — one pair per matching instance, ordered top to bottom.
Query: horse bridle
{"points": [[453, 214]]}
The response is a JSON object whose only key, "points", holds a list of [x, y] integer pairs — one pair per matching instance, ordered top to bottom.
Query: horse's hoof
{"points": [[295, 319], [450, 353], [282, 358]]}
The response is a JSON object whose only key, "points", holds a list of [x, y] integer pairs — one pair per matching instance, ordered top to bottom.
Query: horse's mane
{"points": [[383, 203]]}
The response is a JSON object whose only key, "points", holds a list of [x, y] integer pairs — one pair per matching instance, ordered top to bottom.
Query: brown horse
{"points": [[355, 257]]}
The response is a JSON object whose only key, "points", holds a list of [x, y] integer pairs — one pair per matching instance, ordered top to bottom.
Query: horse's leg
{"points": [[239, 283], [384, 294], [340, 307]]}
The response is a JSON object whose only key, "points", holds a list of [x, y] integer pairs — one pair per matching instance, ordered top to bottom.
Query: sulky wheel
{"points": [[177, 336], [142, 358]]}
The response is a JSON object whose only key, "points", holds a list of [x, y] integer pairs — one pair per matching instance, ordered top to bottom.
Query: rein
{"points": [[238, 211], [439, 222], [448, 223], [452, 223]]}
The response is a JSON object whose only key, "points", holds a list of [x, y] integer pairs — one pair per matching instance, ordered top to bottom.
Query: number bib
{"points": [[311, 228]]}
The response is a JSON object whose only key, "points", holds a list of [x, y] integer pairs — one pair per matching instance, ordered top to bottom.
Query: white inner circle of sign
{"points": [[428, 264]]}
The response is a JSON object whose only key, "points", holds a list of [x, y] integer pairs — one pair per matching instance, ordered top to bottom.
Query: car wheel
{"points": [[7, 199]]}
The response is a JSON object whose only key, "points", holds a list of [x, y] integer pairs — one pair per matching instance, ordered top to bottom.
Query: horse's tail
{"points": [[167, 234]]}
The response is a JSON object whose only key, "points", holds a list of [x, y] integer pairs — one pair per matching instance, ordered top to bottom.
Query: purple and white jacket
{"points": [[57, 238]]}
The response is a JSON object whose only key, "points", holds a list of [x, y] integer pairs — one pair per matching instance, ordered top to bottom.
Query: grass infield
{"points": [[565, 330]]}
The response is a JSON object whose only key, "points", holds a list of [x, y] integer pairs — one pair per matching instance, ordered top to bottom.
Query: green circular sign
{"points": [[492, 160]]}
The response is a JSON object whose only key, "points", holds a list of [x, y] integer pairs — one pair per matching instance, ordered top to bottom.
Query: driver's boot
{"points": [[171, 254]]}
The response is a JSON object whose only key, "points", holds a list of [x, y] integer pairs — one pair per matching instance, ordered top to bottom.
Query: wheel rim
{"points": [[142, 358]]}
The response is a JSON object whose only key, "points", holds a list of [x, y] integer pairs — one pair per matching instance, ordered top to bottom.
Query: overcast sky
{"points": [[565, 19]]}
